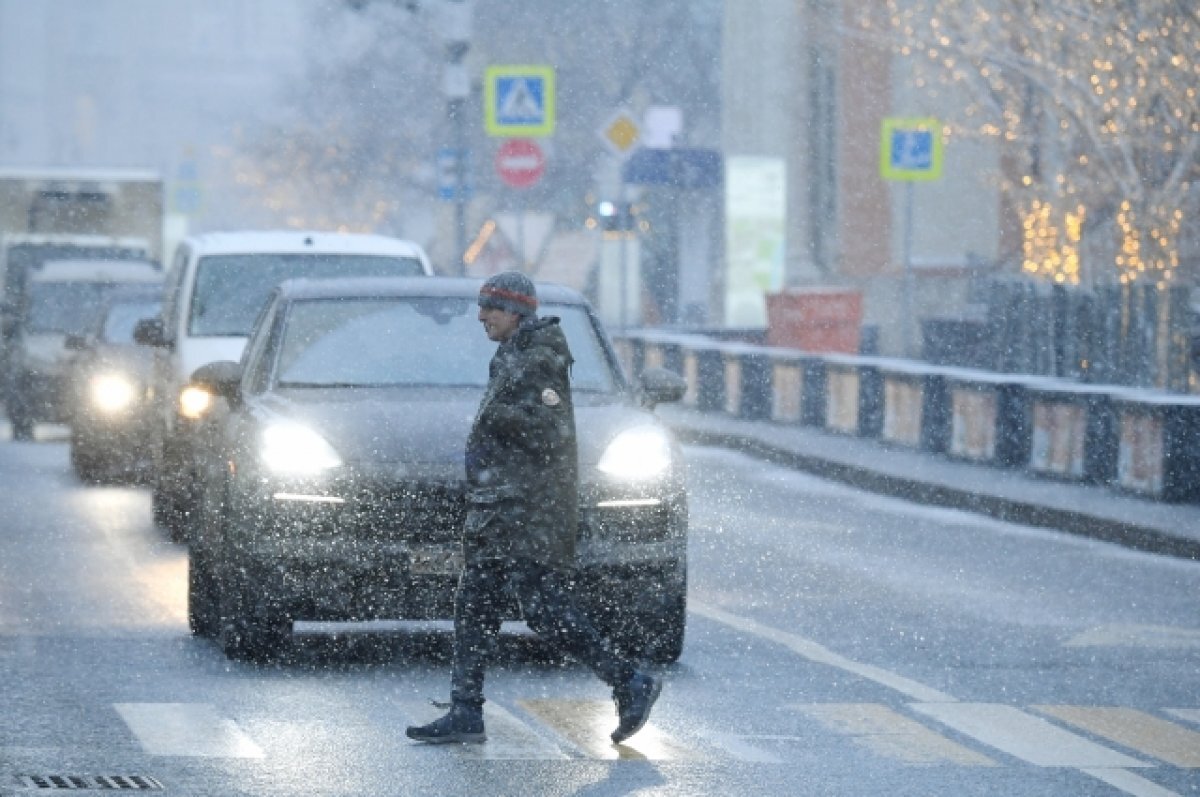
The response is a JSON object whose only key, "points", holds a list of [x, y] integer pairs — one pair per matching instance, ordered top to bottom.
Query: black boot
{"points": [[634, 699], [462, 725]]}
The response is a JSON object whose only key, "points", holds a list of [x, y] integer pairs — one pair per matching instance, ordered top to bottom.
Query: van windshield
{"points": [[231, 289]]}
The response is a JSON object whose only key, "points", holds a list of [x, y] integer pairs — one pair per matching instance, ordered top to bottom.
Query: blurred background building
{"points": [[706, 154]]}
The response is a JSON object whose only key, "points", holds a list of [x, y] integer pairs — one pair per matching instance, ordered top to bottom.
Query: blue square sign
{"points": [[519, 101], [910, 149]]}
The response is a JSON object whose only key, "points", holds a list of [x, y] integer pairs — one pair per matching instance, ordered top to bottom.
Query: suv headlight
{"points": [[111, 392], [194, 402], [293, 449], [643, 452]]}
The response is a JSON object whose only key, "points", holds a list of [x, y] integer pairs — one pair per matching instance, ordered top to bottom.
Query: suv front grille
{"points": [[418, 512]]}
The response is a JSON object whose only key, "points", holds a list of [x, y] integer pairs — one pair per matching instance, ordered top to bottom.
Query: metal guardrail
{"points": [[1136, 440]]}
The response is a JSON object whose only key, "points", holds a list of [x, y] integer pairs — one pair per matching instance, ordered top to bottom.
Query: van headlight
{"points": [[111, 392], [292, 449], [643, 452]]}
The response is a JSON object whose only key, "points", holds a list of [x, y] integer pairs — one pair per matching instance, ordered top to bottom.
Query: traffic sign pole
{"points": [[909, 150]]}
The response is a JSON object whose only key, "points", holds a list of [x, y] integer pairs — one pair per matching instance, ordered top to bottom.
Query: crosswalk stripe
{"points": [[1141, 636], [816, 652], [1188, 714], [588, 723], [186, 729], [571, 729], [1135, 729], [893, 735], [1025, 736], [510, 738], [739, 746], [1128, 782]]}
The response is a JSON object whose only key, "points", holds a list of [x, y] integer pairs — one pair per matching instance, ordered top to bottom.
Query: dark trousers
{"points": [[549, 611]]}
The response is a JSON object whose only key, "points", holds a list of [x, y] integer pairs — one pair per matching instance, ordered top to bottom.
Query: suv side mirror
{"points": [[149, 332], [222, 378], [660, 386]]}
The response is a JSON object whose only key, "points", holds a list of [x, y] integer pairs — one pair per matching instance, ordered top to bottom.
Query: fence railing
{"points": [[1137, 335]]}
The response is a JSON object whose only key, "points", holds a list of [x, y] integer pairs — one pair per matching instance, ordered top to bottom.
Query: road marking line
{"points": [[1138, 636], [823, 655], [1187, 714], [588, 723], [1012, 728], [186, 729], [1135, 729], [893, 735], [1025, 736], [510, 738], [739, 748], [1129, 783]]}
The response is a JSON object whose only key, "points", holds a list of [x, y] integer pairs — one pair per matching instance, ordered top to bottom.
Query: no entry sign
{"points": [[520, 162]]}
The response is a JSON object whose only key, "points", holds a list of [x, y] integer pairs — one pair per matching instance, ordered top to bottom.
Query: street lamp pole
{"points": [[457, 87], [455, 108]]}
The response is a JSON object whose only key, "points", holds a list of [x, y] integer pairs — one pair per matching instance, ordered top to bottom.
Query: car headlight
{"points": [[111, 392], [194, 402], [296, 450], [643, 452]]}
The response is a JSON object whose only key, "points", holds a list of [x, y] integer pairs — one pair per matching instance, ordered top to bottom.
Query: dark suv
{"points": [[334, 482]]}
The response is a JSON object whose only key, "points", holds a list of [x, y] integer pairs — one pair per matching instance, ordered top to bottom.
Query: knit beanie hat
{"points": [[511, 291]]}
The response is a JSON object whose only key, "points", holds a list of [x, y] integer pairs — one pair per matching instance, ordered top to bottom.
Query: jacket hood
{"points": [[546, 332]]}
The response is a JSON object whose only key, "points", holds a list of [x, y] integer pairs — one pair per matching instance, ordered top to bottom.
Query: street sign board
{"points": [[518, 100], [620, 133], [910, 149], [520, 162], [682, 168], [447, 173]]}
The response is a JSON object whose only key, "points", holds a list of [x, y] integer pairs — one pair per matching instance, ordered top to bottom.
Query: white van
{"points": [[216, 285]]}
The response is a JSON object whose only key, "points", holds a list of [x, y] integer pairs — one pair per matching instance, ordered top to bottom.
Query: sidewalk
{"points": [[1008, 494]]}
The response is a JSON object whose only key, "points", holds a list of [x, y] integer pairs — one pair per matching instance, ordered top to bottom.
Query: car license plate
{"points": [[434, 561]]}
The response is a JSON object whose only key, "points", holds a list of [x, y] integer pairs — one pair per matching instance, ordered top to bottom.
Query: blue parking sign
{"points": [[910, 149]]}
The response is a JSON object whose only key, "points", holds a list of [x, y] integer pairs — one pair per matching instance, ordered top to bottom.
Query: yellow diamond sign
{"points": [[621, 133]]}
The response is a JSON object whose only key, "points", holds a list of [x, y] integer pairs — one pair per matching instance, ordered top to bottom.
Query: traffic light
{"points": [[615, 216]]}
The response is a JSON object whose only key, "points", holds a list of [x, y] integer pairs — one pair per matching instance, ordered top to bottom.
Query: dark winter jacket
{"points": [[521, 454]]}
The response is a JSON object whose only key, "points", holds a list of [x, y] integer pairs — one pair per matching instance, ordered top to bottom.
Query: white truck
{"points": [[116, 203], [53, 215]]}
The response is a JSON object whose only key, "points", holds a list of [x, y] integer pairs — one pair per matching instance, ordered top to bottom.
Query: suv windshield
{"points": [[231, 289], [413, 342]]}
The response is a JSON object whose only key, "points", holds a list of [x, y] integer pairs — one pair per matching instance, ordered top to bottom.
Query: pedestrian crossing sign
{"points": [[518, 101]]}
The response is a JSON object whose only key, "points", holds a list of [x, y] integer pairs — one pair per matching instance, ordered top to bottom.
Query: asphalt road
{"points": [[839, 643]]}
